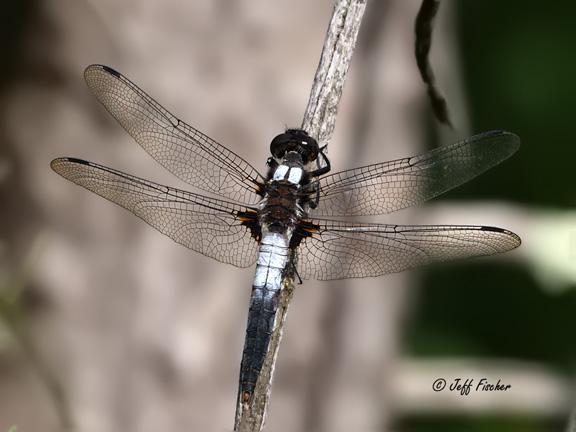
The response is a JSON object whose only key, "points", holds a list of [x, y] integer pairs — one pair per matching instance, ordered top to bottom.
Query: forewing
{"points": [[184, 151], [390, 186], [210, 226], [340, 250]]}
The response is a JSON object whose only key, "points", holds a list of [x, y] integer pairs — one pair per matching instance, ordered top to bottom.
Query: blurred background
{"points": [[106, 325]]}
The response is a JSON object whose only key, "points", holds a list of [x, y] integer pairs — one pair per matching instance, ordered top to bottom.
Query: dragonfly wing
{"points": [[184, 151], [389, 186], [215, 228], [341, 250]]}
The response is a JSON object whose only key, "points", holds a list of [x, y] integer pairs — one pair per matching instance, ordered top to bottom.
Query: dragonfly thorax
{"points": [[290, 170], [282, 208]]}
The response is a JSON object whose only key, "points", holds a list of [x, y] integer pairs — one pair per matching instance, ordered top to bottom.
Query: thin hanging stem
{"points": [[423, 29]]}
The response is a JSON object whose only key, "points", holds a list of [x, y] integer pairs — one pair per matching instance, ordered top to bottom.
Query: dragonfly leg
{"points": [[326, 168], [296, 273]]}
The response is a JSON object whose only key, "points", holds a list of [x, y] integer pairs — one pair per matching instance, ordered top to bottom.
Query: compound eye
{"points": [[277, 149], [281, 150]]}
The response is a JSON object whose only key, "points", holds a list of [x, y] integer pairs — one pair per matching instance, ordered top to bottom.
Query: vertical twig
{"points": [[320, 115], [319, 121]]}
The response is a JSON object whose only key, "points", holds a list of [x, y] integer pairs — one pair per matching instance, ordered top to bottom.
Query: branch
{"points": [[320, 116], [319, 121]]}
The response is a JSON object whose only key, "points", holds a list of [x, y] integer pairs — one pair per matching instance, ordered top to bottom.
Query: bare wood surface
{"points": [[320, 116]]}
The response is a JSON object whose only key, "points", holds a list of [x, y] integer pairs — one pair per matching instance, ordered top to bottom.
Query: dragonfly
{"points": [[291, 221]]}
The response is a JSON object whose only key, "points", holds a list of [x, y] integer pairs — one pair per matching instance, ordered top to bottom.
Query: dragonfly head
{"points": [[295, 140]]}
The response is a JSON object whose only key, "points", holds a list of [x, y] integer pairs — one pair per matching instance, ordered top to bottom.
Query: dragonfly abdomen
{"points": [[272, 260]]}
